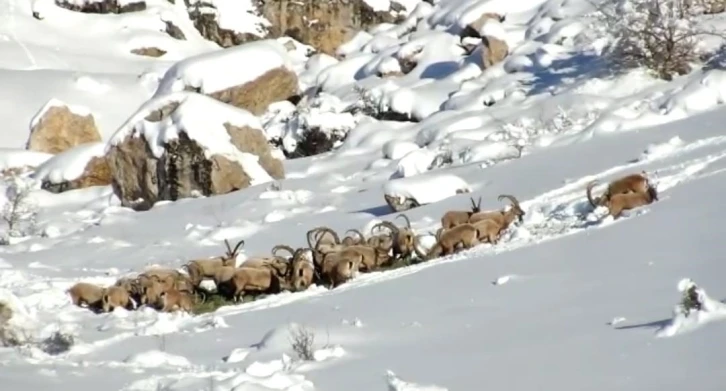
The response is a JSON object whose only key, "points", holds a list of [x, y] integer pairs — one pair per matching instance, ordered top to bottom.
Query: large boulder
{"points": [[324, 25], [494, 51], [268, 76], [58, 127], [188, 145], [82, 166]]}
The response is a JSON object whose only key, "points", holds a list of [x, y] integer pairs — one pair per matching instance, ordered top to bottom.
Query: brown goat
{"points": [[633, 183], [620, 202], [501, 217], [453, 218], [488, 231], [465, 235], [340, 267], [200, 269], [250, 279], [86, 293], [116, 296], [177, 300]]}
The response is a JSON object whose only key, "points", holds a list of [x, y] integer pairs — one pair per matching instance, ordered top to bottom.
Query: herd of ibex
{"points": [[328, 260]]}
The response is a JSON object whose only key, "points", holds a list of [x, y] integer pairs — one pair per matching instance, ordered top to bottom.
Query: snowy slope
{"points": [[565, 301]]}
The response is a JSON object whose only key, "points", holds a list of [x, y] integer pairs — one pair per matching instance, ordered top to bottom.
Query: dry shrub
{"points": [[660, 35], [314, 142], [302, 341]]}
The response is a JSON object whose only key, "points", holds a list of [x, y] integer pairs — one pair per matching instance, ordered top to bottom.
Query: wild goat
{"points": [[633, 183], [617, 203], [501, 217], [453, 218], [465, 235], [359, 238], [403, 239], [207, 268], [337, 268], [86, 293], [116, 296], [177, 300]]}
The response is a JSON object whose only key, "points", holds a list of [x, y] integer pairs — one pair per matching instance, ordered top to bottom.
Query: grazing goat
{"points": [[633, 183], [620, 202], [464, 235], [86, 293], [116, 296], [177, 300]]}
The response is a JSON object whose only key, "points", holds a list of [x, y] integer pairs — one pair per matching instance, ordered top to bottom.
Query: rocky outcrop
{"points": [[103, 6], [324, 25], [174, 31], [274, 85], [59, 129], [185, 168], [96, 173]]}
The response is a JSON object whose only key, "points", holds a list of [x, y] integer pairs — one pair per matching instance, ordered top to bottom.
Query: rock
{"points": [[103, 6], [333, 21], [174, 31], [494, 50], [149, 52], [273, 86], [59, 129], [253, 141], [184, 168], [96, 173], [400, 204]]}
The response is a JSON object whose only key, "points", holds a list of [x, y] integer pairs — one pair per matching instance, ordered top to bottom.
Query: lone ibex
{"points": [[617, 203]]}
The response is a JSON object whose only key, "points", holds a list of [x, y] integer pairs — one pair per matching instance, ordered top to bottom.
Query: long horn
{"points": [[588, 191], [510, 198], [478, 204], [408, 222], [387, 224], [326, 229], [357, 232], [310, 235], [282, 247], [229, 248], [416, 248], [233, 253]]}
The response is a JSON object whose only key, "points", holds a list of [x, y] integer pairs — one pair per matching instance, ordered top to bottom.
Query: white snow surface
{"points": [[567, 300]]}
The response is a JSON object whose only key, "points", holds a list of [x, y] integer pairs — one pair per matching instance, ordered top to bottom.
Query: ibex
{"points": [[633, 183], [617, 203], [501, 217], [453, 218], [465, 235], [403, 239], [207, 268], [86, 293], [116, 296], [177, 300]]}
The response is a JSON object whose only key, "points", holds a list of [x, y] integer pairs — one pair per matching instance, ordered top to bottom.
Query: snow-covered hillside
{"points": [[568, 299]]}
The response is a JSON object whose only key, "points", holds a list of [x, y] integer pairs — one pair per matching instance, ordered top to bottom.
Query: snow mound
{"points": [[219, 70], [202, 118], [658, 151], [17, 158], [69, 164], [428, 188], [156, 359], [396, 384]]}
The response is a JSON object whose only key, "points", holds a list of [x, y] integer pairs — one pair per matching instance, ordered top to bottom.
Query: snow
{"points": [[217, 71], [77, 110], [69, 164], [567, 300]]}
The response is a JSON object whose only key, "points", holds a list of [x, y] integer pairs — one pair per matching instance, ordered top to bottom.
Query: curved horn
{"points": [[588, 191], [511, 199], [408, 222], [387, 224], [326, 229], [357, 232], [439, 232], [237, 247], [282, 247], [229, 248], [416, 248]]}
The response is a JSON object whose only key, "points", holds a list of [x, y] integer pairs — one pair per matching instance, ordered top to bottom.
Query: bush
{"points": [[658, 34], [19, 212], [302, 341]]}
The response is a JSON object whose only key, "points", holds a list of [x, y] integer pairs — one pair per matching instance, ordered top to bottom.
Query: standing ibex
{"points": [[617, 203], [501, 217], [453, 218], [464, 235], [207, 268]]}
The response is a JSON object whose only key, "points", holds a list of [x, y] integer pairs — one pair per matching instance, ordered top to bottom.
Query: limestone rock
{"points": [[275, 85], [59, 129], [184, 168], [96, 173]]}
